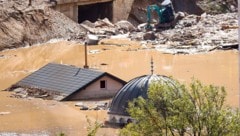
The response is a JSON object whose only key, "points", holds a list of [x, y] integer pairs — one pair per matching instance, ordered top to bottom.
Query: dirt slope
{"points": [[21, 24]]}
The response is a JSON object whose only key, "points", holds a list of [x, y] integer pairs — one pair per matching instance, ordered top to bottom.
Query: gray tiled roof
{"points": [[61, 78]]}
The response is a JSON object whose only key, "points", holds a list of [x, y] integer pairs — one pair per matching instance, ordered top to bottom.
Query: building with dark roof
{"points": [[72, 83], [133, 89]]}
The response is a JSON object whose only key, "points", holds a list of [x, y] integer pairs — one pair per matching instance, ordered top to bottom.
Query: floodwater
{"points": [[126, 62]]}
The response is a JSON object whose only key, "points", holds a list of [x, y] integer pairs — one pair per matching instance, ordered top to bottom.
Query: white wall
{"points": [[94, 90]]}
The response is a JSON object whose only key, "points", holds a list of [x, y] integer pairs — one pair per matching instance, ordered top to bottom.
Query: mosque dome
{"points": [[133, 89]]}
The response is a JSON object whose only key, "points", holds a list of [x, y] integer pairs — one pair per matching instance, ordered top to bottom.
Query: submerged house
{"points": [[64, 82]]}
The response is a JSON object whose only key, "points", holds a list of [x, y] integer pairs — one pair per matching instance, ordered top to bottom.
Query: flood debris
{"points": [[25, 26], [191, 34], [194, 34], [149, 36], [92, 39], [226, 47], [94, 51], [104, 64], [26, 92], [79, 104], [92, 105], [101, 106], [84, 107], [5, 113], [24, 134]]}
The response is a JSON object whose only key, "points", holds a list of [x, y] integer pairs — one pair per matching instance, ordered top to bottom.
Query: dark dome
{"points": [[133, 89]]}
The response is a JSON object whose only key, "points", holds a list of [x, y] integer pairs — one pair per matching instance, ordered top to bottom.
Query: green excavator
{"points": [[165, 14]]}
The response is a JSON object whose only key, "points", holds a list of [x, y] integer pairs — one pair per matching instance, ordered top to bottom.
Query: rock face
{"points": [[188, 6], [218, 6], [138, 13], [23, 25]]}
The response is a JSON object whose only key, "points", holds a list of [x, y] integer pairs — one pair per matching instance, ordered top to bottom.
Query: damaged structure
{"points": [[81, 10], [116, 10], [64, 82]]}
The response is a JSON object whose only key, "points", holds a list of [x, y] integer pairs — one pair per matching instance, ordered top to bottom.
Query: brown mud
{"points": [[29, 115]]}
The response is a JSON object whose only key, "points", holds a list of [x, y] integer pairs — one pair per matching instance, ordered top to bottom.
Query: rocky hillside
{"points": [[218, 6], [197, 7], [138, 12], [22, 24], [25, 24]]}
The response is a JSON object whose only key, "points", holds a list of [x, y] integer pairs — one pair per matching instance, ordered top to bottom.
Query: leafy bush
{"points": [[182, 110]]}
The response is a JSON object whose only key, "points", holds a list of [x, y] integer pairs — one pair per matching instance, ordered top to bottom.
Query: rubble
{"points": [[138, 12], [25, 26], [125, 26], [192, 34], [195, 34], [149, 36], [24, 92], [79, 104], [91, 106], [5, 113]]}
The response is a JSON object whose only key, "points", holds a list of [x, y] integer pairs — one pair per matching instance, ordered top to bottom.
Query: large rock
{"points": [[138, 13]]}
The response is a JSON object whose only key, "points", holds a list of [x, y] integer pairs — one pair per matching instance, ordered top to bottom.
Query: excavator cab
{"points": [[164, 11]]}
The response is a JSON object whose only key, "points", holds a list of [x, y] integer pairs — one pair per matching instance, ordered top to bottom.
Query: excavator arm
{"points": [[150, 9], [165, 14]]}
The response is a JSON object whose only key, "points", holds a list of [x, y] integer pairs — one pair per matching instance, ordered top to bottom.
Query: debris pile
{"points": [[218, 6], [138, 11], [23, 25], [106, 28], [200, 33], [192, 34], [24, 92], [91, 106]]}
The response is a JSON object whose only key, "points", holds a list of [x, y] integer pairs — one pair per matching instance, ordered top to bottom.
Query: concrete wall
{"points": [[121, 8], [69, 9], [94, 90]]}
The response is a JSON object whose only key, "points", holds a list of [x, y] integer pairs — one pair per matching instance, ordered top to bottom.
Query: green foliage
{"points": [[182, 110], [92, 128], [61, 134]]}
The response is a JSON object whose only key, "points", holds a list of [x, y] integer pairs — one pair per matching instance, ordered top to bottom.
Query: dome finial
{"points": [[152, 65]]}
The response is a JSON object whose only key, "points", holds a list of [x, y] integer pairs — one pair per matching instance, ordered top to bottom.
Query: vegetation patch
{"points": [[193, 109]]}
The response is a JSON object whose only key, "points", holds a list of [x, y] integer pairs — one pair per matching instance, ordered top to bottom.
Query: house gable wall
{"points": [[93, 91]]}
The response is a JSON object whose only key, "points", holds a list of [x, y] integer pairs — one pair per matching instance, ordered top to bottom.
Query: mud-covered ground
{"points": [[23, 25], [37, 116]]}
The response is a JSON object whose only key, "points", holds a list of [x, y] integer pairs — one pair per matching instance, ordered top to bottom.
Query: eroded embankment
{"points": [[21, 24]]}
